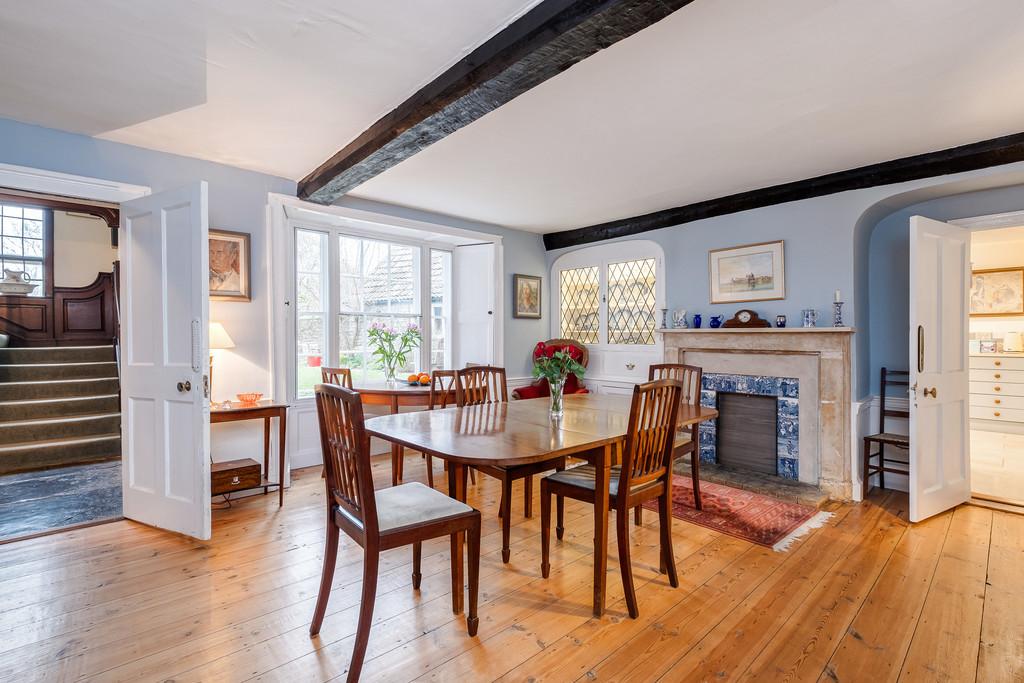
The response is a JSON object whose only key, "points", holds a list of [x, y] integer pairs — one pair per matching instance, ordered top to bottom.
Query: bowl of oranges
{"points": [[418, 379]]}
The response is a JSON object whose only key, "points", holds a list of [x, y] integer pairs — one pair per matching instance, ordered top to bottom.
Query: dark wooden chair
{"points": [[690, 376], [341, 377], [480, 385], [442, 395], [884, 438], [645, 473], [381, 520]]}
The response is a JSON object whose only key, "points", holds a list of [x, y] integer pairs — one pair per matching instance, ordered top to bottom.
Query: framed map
{"points": [[997, 291]]}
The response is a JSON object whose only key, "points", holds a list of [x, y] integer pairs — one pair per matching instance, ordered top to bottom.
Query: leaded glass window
{"points": [[631, 302], [579, 304]]}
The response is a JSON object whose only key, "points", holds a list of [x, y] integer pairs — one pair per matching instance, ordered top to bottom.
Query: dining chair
{"points": [[341, 377], [691, 377], [482, 385], [442, 395], [644, 473], [381, 520]]}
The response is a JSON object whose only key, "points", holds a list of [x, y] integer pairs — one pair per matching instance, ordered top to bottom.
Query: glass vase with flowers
{"points": [[391, 346], [555, 365]]}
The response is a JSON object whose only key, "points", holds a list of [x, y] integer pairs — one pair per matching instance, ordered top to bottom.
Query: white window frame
{"points": [[601, 256]]}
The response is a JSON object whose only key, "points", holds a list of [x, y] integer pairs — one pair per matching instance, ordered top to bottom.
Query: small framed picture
{"points": [[229, 266], [752, 272], [526, 290], [997, 291]]}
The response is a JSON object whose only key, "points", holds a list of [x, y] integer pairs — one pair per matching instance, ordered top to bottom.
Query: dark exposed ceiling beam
{"points": [[542, 43], [994, 152]]}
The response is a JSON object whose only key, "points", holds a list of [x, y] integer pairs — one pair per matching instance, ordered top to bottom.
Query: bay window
{"points": [[345, 282]]}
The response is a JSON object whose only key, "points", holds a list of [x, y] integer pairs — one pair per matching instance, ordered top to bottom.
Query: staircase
{"points": [[58, 406]]}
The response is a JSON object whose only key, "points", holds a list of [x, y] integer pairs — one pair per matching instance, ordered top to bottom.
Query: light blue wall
{"points": [[828, 242], [523, 254], [889, 257]]}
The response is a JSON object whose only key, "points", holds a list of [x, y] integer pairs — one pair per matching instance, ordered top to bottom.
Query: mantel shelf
{"points": [[757, 330]]}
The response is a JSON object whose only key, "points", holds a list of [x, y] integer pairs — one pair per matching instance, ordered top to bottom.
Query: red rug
{"points": [[743, 514]]}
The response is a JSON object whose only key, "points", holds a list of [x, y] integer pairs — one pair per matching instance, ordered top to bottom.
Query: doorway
{"points": [[996, 358]]}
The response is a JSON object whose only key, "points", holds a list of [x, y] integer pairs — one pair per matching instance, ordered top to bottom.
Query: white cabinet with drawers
{"points": [[997, 390]]}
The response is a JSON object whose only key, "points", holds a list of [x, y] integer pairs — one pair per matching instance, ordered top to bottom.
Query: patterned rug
{"points": [[750, 516]]}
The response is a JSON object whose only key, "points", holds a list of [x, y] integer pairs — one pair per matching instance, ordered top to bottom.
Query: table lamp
{"points": [[219, 339]]}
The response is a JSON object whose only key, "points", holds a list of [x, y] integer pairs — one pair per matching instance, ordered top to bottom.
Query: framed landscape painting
{"points": [[229, 266], [752, 272], [526, 290], [997, 291]]}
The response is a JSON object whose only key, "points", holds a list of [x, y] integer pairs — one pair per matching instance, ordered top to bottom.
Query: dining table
{"points": [[394, 395], [592, 427]]}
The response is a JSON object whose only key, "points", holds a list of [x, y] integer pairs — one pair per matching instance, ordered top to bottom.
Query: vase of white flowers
{"points": [[391, 347]]}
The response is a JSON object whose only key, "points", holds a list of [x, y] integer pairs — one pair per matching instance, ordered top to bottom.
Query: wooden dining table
{"points": [[394, 395], [592, 428]]}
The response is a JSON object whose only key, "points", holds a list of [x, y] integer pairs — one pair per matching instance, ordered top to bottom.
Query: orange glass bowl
{"points": [[249, 397]]}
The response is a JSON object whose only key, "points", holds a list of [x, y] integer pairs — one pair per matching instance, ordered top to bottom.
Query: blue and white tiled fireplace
{"points": [[786, 391]]}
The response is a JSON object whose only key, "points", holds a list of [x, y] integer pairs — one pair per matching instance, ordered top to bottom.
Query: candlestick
{"points": [[839, 297], [837, 313]]}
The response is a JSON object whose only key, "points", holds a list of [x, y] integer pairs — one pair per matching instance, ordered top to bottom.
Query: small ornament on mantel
{"points": [[837, 310], [746, 318]]}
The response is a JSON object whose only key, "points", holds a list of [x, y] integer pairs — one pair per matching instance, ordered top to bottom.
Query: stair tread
{"points": [[58, 364], [60, 381], [39, 401], [57, 420], [66, 441]]}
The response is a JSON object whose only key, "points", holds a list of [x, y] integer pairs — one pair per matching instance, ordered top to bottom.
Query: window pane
{"points": [[15, 211], [33, 214], [11, 227], [33, 229], [12, 246], [33, 248], [348, 256], [375, 277], [402, 279], [350, 299], [579, 304], [440, 308], [311, 315], [631, 315]]}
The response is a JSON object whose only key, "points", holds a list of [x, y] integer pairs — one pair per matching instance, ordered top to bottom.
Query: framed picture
{"points": [[229, 266], [752, 272], [526, 289], [997, 291]]}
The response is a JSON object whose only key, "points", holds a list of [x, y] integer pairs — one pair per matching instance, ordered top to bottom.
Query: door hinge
{"points": [[206, 386]]}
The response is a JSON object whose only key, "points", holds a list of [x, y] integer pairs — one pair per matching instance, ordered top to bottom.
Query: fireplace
{"points": [[748, 432]]}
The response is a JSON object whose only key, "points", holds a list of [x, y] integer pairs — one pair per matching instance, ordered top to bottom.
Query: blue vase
{"points": [[696, 320], [715, 321]]}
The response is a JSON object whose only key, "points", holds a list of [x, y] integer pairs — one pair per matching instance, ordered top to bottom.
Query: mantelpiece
{"points": [[818, 357]]}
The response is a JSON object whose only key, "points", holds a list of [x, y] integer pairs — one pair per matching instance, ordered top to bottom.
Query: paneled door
{"points": [[940, 285], [475, 304], [164, 350]]}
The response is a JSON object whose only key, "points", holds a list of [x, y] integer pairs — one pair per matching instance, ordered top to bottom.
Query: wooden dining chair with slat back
{"points": [[341, 377], [691, 377], [481, 385], [644, 473], [381, 520]]}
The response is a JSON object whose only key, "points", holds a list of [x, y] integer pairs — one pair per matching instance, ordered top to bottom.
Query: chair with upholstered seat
{"points": [[481, 385], [884, 438], [686, 443], [645, 473], [381, 520]]}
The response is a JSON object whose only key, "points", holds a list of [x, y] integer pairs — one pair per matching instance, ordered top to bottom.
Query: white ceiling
{"points": [[271, 85], [723, 97]]}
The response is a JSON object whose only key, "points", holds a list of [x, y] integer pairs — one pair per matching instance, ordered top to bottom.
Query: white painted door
{"points": [[940, 283], [475, 303], [164, 356]]}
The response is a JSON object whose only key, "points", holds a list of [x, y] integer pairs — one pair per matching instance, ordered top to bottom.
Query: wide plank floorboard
{"points": [[868, 597]]}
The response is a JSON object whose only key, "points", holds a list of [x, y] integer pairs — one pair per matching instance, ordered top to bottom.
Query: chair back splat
{"points": [[689, 375], [342, 377], [479, 385], [442, 389], [651, 433], [346, 450]]}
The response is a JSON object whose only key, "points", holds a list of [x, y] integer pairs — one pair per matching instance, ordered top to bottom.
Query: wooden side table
{"points": [[261, 410]]}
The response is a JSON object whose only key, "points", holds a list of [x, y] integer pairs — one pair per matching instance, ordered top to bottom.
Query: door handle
{"points": [[185, 387], [933, 392]]}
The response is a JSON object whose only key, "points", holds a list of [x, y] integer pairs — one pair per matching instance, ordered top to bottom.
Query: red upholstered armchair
{"points": [[572, 384]]}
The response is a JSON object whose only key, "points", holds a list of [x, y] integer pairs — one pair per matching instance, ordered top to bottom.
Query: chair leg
{"points": [[881, 465], [865, 469], [430, 470], [472, 475], [695, 476], [528, 496], [560, 503], [638, 515], [506, 519], [545, 530], [417, 553], [668, 557], [473, 560], [625, 566], [370, 567], [326, 578]]}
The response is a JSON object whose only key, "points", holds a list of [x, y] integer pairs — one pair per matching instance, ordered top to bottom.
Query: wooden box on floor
{"points": [[234, 475]]}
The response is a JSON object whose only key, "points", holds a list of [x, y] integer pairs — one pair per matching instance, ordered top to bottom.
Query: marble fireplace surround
{"points": [[819, 357]]}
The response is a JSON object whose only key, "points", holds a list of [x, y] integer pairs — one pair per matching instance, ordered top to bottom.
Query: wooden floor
{"points": [[866, 598]]}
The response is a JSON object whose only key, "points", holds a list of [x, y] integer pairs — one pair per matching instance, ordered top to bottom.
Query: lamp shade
{"points": [[219, 338]]}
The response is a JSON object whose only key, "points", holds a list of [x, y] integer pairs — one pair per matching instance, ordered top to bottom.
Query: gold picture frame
{"points": [[230, 261], [748, 272], [997, 292]]}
